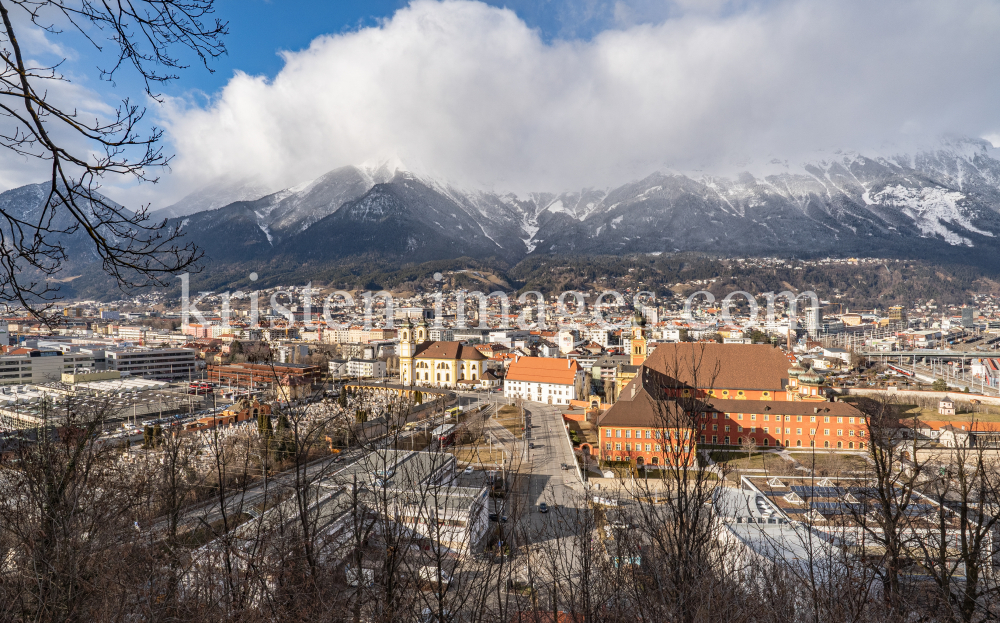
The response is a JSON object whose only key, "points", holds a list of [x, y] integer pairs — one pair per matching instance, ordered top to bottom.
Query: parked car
{"points": [[468, 470], [543, 508]]}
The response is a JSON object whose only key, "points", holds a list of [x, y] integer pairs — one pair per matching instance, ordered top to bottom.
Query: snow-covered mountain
{"points": [[213, 196], [941, 203]]}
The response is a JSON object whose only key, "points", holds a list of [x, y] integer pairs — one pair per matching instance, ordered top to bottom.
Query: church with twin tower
{"points": [[436, 364]]}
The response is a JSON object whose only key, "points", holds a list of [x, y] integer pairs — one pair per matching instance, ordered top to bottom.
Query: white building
{"points": [[567, 340], [157, 363], [25, 365], [338, 368], [366, 368], [541, 379]]}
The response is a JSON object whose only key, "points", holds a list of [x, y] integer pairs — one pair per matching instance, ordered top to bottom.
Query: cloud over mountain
{"points": [[470, 93]]}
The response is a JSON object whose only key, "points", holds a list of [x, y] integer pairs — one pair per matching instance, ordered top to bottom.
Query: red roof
{"points": [[543, 370]]}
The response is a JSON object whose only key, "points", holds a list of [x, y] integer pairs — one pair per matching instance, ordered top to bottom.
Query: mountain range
{"points": [[941, 203]]}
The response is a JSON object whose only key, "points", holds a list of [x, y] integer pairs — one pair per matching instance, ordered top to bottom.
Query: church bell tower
{"points": [[638, 340], [406, 351]]}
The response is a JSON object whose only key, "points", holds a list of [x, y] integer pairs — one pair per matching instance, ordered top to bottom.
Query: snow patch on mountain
{"points": [[930, 208]]}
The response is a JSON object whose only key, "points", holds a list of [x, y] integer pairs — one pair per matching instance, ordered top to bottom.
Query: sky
{"points": [[553, 95]]}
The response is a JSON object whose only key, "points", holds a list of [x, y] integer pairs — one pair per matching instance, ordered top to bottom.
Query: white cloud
{"points": [[470, 93]]}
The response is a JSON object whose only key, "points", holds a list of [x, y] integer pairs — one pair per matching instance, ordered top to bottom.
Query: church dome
{"points": [[795, 370], [811, 377]]}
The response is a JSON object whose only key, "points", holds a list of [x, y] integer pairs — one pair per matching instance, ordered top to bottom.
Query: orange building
{"points": [[723, 394], [789, 424], [646, 426]]}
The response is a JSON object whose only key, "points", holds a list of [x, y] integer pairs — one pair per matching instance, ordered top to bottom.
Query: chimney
{"points": [[634, 388]]}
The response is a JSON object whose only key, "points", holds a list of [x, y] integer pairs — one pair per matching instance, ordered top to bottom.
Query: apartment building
{"points": [[155, 363], [29, 365]]}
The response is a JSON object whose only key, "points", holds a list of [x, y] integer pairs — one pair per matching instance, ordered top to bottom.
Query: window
{"points": [[715, 416], [739, 417], [753, 417], [767, 417], [798, 418], [812, 418], [826, 420], [840, 420], [851, 420], [861, 420], [702, 426], [715, 427], [727, 428], [739, 429], [753, 429], [765, 429], [788, 431], [798, 431], [812, 431], [826, 431], [840, 432], [850, 432], [607, 433], [618, 433], [648, 433], [861, 433], [628, 434], [638, 434], [702, 439], [715, 439], [727, 440], [739, 441], [765, 441], [798, 442], [826, 444], [840, 444], [851, 445], [607, 446], [618, 446], [628, 447], [647, 447], [657, 449]]}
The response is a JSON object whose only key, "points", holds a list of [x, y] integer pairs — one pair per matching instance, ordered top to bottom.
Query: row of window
{"points": [[788, 418], [788, 431], [639, 433], [788, 443], [649, 447]]}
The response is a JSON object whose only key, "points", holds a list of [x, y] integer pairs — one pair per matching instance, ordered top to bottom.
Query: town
{"points": [[491, 433]]}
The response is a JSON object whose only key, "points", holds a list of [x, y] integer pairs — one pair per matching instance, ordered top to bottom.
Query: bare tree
{"points": [[81, 152]]}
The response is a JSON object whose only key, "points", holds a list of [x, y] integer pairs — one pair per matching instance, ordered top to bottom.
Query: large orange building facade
{"points": [[687, 394]]}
